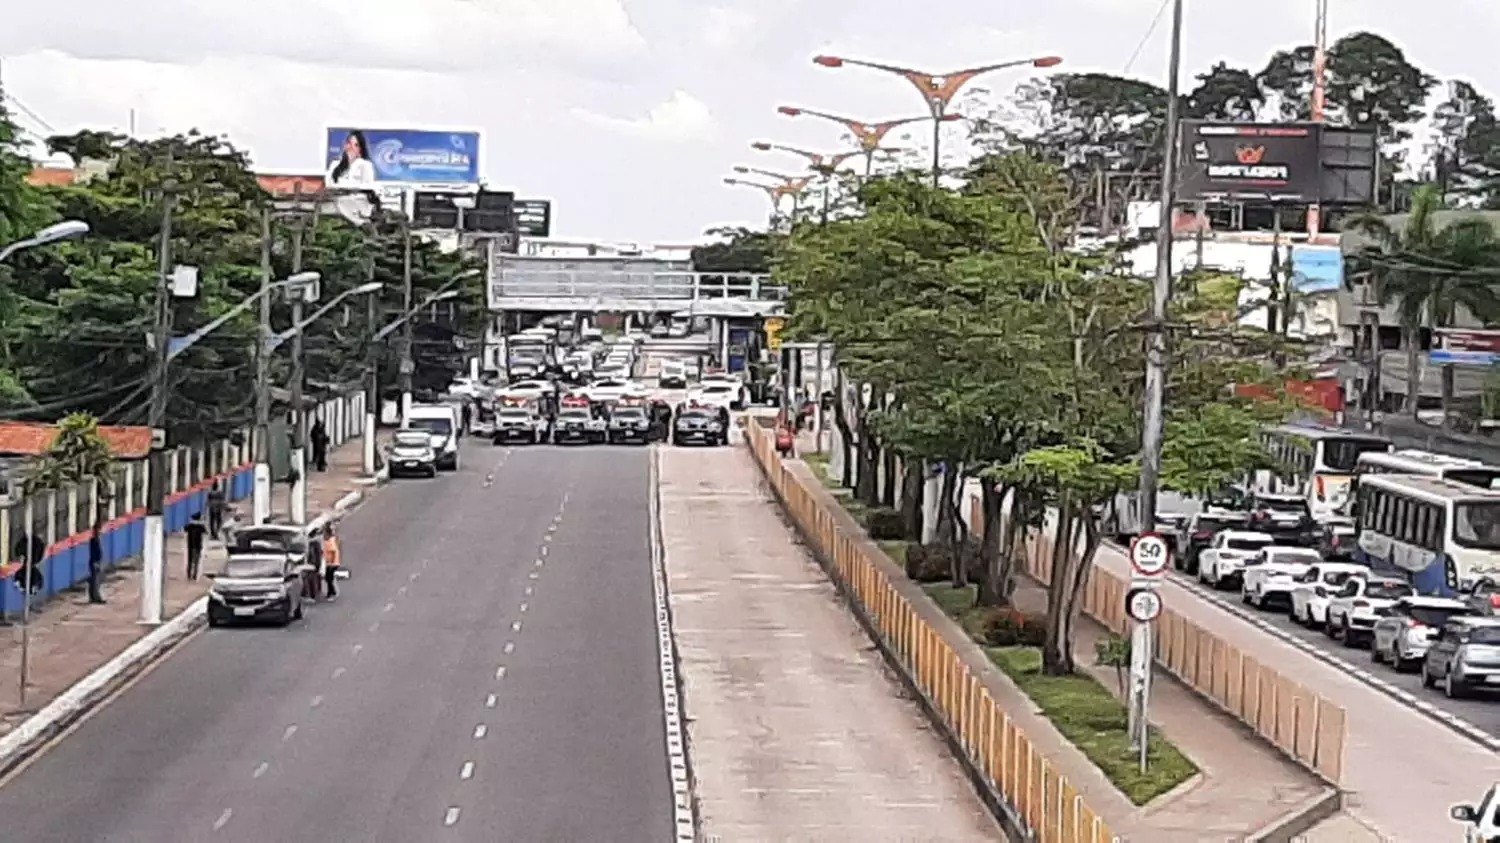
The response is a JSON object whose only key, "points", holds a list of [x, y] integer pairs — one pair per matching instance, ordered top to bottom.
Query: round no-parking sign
{"points": [[1150, 555], [1143, 605]]}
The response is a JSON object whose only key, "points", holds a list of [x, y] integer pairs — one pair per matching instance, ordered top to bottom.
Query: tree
{"points": [[1225, 93], [1466, 154], [736, 250], [1428, 270], [80, 458]]}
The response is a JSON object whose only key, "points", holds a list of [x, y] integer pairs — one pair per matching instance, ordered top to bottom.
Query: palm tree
{"points": [[1428, 271], [79, 457]]}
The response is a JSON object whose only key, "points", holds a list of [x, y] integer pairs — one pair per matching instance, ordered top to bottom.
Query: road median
{"points": [[946, 671]]}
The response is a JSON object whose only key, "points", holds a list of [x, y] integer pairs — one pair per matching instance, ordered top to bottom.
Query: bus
{"points": [[1317, 463], [1428, 464], [1441, 534]]}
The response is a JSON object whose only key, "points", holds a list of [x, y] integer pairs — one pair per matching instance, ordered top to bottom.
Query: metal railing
{"points": [[535, 283]]}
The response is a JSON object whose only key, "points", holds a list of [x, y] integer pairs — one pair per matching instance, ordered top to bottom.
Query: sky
{"points": [[627, 114]]}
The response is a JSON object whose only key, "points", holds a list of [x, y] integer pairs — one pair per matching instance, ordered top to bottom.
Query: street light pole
{"points": [[938, 90], [869, 136], [792, 186], [772, 192], [408, 366], [372, 380], [299, 417], [261, 493], [154, 545]]}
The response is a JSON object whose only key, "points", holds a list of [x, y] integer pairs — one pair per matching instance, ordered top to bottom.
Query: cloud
{"points": [[726, 27], [433, 35], [681, 119]]}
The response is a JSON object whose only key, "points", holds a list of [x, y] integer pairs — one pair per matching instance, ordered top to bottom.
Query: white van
{"points": [[673, 375], [440, 421]]}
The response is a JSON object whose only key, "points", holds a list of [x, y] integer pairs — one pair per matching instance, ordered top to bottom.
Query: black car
{"points": [[629, 424], [577, 425], [701, 425], [1199, 534], [265, 586]]}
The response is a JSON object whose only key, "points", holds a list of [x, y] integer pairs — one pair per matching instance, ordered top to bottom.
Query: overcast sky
{"points": [[626, 113]]}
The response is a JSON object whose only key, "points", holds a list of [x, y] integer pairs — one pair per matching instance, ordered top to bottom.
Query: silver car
{"points": [[257, 587], [1406, 629], [1465, 657]]}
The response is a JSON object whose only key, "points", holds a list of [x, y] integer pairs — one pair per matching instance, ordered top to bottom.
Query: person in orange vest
{"points": [[333, 560]]}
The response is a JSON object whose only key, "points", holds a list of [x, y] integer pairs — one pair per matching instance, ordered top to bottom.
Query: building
{"points": [[23, 442]]}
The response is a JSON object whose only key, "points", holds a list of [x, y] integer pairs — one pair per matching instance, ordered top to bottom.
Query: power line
{"points": [[1145, 39], [68, 401]]}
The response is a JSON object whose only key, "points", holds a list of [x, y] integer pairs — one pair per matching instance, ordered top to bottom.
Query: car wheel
{"points": [[1293, 615], [1329, 628], [1348, 638], [1376, 657], [1397, 662], [1426, 677], [1452, 689]]}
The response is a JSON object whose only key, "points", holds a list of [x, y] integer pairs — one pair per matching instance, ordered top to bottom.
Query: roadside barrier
{"points": [[63, 517], [1307, 727], [1049, 808]]}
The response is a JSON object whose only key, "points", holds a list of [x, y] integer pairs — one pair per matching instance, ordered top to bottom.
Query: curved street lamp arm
{"points": [[443, 292], [275, 342]]}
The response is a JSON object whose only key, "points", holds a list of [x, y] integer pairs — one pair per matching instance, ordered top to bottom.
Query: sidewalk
{"points": [[324, 488], [71, 638], [797, 730], [1244, 784]]}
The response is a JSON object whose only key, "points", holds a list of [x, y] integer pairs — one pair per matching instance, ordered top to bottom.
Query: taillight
{"points": [[1322, 489], [1203, 535], [1495, 601], [1415, 624]]}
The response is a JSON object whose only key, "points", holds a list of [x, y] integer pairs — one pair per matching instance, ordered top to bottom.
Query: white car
{"points": [[612, 372], [673, 375], [530, 389], [613, 389], [730, 396], [1219, 564], [1272, 575], [1316, 587], [1352, 612], [1407, 629], [1482, 823]]}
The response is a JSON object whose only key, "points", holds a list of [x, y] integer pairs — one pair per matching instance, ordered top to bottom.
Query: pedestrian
{"points": [[468, 413], [319, 438], [216, 505], [196, 529], [30, 550], [333, 559]]}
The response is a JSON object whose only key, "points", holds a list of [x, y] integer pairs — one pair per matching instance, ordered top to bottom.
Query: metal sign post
{"points": [[1150, 556]]}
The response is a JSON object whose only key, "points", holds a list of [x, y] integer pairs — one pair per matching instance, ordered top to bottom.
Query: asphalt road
{"points": [[488, 674], [1482, 711]]}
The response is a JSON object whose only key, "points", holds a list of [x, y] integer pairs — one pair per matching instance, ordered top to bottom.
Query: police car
{"points": [[519, 419], [577, 422], [629, 422], [702, 424]]}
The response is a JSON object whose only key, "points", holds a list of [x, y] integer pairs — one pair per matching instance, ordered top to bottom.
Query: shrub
{"points": [[885, 525], [934, 562], [1014, 628]]}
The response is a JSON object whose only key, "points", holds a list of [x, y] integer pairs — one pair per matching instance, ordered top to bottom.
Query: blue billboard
{"points": [[357, 157]]}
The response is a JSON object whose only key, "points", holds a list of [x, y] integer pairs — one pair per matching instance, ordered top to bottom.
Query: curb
{"points": [[1359, 674], [85, 695], [73, 704], [679, 758], [1288, 827]]}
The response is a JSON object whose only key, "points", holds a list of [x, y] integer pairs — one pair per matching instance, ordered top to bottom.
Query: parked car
{"points": [[412, 453], [1219, 565], [1272, 575], [258, 587], [1406, 629], [1465, 657]]}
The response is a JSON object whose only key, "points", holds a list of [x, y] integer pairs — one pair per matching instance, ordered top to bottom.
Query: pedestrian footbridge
{"points": [[628, 285]]}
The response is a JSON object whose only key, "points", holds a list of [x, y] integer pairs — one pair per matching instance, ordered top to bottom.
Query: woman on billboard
{"points": [[354, 166]]}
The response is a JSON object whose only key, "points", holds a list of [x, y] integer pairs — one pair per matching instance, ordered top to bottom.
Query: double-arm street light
{"points": [[938, 90], [868, 135], [824, 164], [792, 186], [774, 192], [65, 230]]}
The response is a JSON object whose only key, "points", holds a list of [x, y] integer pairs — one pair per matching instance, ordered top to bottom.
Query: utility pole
{"points": [[1319, 93], [408, 365], [372, 377], [299, 418], [1153, 421], [262, 492], [154, 546]]}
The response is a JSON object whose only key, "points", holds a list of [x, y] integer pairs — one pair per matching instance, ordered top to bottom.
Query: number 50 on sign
{"points": [[1150, 555]]}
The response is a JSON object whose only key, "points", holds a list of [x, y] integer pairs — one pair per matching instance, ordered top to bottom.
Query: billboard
{"points": [[358, 158], [1250, 161], [533, 217]]}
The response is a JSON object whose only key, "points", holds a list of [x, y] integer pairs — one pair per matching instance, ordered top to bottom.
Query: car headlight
{"points": [[714, 427]]}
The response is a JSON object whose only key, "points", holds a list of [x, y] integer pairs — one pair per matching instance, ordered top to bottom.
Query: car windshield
{"points": [[717, 388], [629, 413], [515, 415], [574, 415], [695, 415], [438, 425], [412, 439], [1343, 454], [1283, 506], [1214, 525], [1477, 525], [1246, 544], [1292, 557], [252, 567], [1337, 577], [1388, 591], [1434, 616], [1487, 635]]}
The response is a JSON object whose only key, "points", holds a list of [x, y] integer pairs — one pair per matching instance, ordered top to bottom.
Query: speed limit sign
{"points": [[1150, 555]]}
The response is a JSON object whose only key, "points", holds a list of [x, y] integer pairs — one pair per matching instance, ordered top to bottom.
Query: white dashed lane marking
{"points": [[529, 590], [387, 607], [524, 607], [515, 627], [510, 647], [339, 671], [499, 674], [316, 701], [491, 701], [480, 731], [286, 734], [260, 770], [467, 771], [451, 818], [223, 819]]}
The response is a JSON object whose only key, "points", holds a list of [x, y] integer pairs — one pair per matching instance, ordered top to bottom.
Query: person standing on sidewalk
{"points": [[319, 437], [216, 505], [196, 529], [30, 550], [333, 560]]}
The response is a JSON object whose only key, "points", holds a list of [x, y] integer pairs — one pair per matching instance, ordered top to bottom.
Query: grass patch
{"points": [[895, 550], [958, 604], [1091, 718]]}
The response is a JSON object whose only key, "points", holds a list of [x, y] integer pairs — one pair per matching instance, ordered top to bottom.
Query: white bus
{"points": [[1317, 463], [1428, 464], [1442, 534]]}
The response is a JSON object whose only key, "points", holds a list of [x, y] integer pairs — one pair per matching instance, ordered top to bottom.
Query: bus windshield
{"points": [[1343, 454], [1482, 478], [1477, 525]]}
